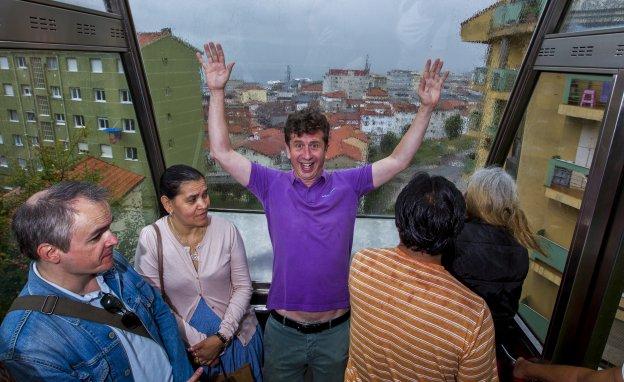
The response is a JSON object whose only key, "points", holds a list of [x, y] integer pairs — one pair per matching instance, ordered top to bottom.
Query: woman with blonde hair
{"points": [[491, 256]]}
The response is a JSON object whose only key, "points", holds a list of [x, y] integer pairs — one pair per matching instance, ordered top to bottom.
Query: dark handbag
{"points": [[242, 374]]}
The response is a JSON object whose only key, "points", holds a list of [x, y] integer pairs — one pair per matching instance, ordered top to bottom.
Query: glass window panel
{"points": [[97, 5], [584, 15], [96, 65], [364, 81], [8, 90], [51, 129], [551, 158], [613, 354]]}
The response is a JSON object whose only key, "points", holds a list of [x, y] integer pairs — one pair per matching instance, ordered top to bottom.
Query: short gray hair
{"points": [[49, 217]]}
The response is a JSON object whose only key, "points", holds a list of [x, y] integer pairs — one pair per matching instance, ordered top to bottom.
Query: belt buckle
{"points": [[44, 307]]}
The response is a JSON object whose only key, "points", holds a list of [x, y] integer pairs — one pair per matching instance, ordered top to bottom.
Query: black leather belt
{"points": [[310, 328]]}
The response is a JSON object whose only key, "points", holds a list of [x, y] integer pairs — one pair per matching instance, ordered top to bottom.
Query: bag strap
{"points": [[161, 279], [62, 306]]}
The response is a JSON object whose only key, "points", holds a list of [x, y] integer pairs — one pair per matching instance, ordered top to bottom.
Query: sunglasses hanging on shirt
{"points": [[113, 305]]}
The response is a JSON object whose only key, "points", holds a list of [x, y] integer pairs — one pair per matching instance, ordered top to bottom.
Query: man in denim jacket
{"points": [[65, 230]]}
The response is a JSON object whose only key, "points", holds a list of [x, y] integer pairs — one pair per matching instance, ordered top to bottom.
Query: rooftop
{"points": [[118, 181]]}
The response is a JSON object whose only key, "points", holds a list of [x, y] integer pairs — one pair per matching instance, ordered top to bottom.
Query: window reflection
{"points": [[584, 15], [551, 158]]}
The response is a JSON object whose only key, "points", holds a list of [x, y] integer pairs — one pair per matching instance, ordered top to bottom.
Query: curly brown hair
{"points": [[306, 121]]}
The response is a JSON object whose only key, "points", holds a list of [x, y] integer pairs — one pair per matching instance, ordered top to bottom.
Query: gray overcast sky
{"points": [[313, 35]]}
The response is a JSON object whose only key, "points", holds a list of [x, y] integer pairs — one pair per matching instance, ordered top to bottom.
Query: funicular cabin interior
{"points": [[113, 88]]}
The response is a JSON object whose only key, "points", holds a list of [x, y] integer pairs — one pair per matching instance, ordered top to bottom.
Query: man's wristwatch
{"points": [[223, 339]]}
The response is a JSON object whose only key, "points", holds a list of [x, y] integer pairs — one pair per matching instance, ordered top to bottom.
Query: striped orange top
{"points": [[413, 321]]}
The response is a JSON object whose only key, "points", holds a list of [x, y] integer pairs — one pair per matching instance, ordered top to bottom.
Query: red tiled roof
{"points": [[146, 38], [312, 88], [376, 92], [336, 94], [451, 104], [404, 107], [337, 119], [347, 131], [269, 142], [341, 148], [118, 181]]}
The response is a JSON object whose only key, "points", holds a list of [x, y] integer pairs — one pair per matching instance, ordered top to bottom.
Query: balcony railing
{"points": [[517, 12], [479, 75], [503, 79], [559, 172]]}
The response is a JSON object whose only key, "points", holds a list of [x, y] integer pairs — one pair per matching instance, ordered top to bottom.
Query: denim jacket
{"points": [[36, 346]]}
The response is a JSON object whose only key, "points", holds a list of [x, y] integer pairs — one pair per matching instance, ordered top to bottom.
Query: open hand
{"points": [[216, 72], [431, 83]]}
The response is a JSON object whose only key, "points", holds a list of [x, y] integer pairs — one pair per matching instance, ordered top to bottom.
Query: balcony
{"points": [[516, 17], [479, 76], [503, 79], [565, 182]]}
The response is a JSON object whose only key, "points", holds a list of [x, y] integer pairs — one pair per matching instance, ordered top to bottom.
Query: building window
{"points": [[165, 61], [21, 62], [4, 63], [52, 63], [72, 65], [96, 65], [119, 66], [37, 73], [8, 90], [26, 91], [56, 91], [167, 91], [75, 94], [100, 95], [124, 96], [43, 104], [13, 116], [30, 117], [169, 117], [60, 119], [79, 121], [103, 123], [128, 125], [47, 131], [1, 140], [17, 140], [34, 141], [171, 143], [65, 144], [83, 148], [106, 150], [131, 153], [3, 161], [22, 163], [38, 165]]}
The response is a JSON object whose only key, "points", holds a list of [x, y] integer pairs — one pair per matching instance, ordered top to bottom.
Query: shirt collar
{"points": [[292, 178], [87, 297]]}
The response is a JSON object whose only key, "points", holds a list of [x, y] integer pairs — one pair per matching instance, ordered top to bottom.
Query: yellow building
{"points": [[506, 28], [253, 93]]}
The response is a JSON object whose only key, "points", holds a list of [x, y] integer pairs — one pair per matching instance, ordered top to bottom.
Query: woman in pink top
{"points": [[205, 275]]}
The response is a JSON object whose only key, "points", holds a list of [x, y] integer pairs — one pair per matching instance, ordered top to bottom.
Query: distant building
{"points": [[378, 81], [353, 83], [400, 84], [252, 93], [334, 101]]}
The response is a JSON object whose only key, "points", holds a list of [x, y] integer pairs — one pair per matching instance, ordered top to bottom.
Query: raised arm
{"points": [[217, 74], [429, 91], [542, 372]]}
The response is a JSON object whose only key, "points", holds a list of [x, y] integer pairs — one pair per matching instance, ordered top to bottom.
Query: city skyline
{"points": [[313, 36]]}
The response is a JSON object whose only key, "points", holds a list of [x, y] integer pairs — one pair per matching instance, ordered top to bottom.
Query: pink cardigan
{"points": [[222, 280]]}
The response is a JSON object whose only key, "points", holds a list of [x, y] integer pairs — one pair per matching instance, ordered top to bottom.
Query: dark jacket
{"points": [[489, 261]]}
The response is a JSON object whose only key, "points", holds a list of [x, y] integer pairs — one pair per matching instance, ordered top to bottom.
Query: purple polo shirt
{"points": [[311, 230]]}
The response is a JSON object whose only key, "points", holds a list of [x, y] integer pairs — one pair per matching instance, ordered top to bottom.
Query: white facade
{"points": [[353, 82]]}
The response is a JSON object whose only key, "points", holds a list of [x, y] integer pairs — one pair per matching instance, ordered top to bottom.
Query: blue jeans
{"points": [[288, 353]]}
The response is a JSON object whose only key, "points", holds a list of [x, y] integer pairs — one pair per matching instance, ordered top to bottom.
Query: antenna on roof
{"points": [[367, 65], [288, 74]]}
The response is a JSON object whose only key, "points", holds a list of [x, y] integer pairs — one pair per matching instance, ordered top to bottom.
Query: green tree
{"points": [[453, 126], [387, 144], [50, 164]]}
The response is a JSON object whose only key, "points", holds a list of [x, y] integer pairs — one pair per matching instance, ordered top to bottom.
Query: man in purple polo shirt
{"points": [[311, 215]]}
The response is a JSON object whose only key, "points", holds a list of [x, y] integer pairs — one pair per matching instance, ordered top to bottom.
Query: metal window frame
{"points": [[14, 34], [586, 301]]}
